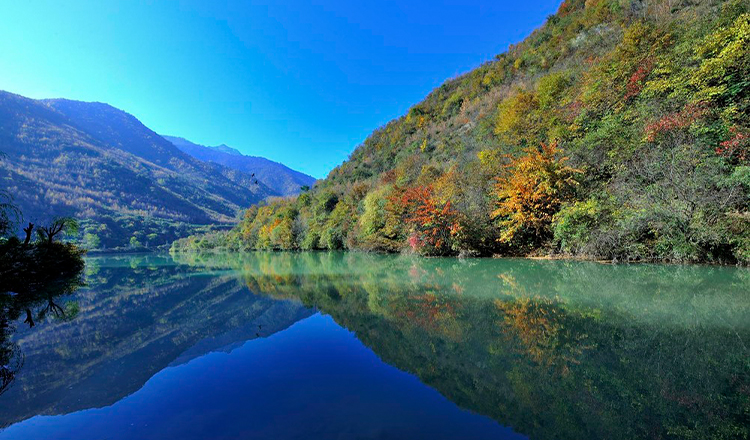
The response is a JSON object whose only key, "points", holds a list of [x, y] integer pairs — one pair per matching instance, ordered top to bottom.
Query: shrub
{"points": [[575, 223]]}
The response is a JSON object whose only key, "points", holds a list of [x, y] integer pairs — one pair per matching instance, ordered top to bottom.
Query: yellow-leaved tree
{"points": [[530, 192]]}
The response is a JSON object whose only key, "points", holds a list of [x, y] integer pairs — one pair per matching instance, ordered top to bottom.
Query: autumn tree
{"points": [[530, 192], [434, 224]]}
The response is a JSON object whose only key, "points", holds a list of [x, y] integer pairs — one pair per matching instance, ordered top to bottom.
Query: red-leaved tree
{"points": [[434, 224]]}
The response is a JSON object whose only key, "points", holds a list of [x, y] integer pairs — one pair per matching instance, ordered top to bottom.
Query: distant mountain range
{"points": [[278, 177], [129, 186]]}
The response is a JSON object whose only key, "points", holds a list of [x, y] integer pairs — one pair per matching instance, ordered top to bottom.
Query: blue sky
{"points": [[300, 82]]}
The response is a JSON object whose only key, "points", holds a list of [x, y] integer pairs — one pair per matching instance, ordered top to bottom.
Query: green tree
{"points": [[91, 241]]}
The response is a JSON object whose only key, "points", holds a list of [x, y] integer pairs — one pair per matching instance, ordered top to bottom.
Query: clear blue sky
{"points": [[300, 82]]}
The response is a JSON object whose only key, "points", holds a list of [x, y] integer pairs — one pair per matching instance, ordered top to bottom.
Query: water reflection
{"points": [[34, 279], [138, 315], [555, 350]]}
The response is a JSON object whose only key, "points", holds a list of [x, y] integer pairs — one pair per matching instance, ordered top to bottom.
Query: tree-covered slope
{"points": [[620, 129], [102, 165], [280, 178]]}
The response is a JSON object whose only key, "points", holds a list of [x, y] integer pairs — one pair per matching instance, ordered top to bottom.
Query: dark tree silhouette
{"points": [[9, 213], [59, 226], [28, 230], [33, 275]]}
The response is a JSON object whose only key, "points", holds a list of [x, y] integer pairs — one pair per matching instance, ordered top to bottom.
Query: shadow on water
{"points": [[555, 350]]}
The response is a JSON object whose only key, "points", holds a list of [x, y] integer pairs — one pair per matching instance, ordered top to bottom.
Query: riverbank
{"points": [[550, 257]]}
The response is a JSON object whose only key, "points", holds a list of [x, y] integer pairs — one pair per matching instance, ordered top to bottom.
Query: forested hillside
{"points": [[620, 129], [280, 178], [128, 185]]}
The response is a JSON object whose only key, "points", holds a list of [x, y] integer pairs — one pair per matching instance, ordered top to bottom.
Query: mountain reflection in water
{"points": [[548, 349]]}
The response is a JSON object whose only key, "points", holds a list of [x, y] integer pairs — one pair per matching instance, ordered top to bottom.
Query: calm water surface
{"points": [[349, 346]]}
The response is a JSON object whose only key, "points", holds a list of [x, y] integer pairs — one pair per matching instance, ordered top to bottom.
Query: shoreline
{"points": [[457, 257]]}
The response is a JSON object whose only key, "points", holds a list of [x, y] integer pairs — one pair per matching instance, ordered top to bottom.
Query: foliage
{"points": [[723, 77], [649, 100], [519, 119], [531, 193], [574, 223], [434, 225], [60, 226], [380, 226], [33, 276]]}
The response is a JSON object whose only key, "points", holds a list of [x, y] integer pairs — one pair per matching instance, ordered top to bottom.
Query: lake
{"points": [[354, 345]]}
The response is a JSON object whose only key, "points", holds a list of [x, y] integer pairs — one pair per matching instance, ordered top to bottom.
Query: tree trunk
{"points": [[28, 230]]}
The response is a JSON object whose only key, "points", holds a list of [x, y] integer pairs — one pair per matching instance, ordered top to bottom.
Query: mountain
{"points": [[618, 130], [223, 147], [102, 165], [276, 176]]}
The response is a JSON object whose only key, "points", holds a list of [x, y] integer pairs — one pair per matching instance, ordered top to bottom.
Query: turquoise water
{"points": [[334, 345]]}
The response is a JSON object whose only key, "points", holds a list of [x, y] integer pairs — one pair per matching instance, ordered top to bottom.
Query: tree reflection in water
{"points": [[34, 277], [563, 350]]}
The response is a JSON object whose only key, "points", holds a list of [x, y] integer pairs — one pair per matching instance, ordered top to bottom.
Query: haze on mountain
{"points": [[276, 176], [128, 185]]}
